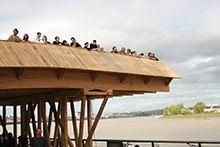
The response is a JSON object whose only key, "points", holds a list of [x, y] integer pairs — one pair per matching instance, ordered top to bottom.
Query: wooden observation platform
{"points": [[33, 74]]}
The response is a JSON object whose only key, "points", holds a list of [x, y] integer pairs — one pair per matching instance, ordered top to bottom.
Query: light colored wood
{"points": [[13, 54], [34, 78], [102, 92], [39, 114], [98, 116], [89, 118], [33, 119], [64, 122], [15, 124], [81, 127], [75, 129], [57, 131], [46, 132]]}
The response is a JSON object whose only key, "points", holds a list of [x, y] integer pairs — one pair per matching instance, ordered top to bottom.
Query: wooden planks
{"points": [[13, 54]]}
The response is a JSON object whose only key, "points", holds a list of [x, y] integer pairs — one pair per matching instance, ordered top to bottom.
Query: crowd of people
{"points": [[92, 46], [9, 141]]}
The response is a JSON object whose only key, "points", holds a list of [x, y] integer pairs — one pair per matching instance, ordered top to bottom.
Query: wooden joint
{"points": [[20, 73], [60, 74], [94, 75], [123, 78], [147, 80], [167, 81], [97, 92]]}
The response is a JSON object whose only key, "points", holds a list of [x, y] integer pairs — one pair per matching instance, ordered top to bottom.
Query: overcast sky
{"points": [[184, 34]]}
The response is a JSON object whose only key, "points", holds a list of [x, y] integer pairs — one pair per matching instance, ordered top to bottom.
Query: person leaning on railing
{"points": [[14, 36]]}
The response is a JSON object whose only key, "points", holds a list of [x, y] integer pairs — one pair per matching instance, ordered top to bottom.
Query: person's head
{"points": [[15, 31], [38, 34], [26, 37], [57, 38], [44, 39], [73, 39], [65, 42], [94, 42], [86, 44], [114, 48], [102, 49], [123, 49], [128, 51], [134, 53], [149, 54], [153, 55], [38, 133], [10, 135], [136, 145]]}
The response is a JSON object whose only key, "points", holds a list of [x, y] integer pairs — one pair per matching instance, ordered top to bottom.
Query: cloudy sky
{"points": [[184, 34]]}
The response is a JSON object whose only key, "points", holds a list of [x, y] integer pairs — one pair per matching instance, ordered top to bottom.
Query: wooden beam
{"points": [[20, 72], [60, 74], [94, 75], [123, 78], [81, 79], [147, 80], [167, 81], [98, 92], [23, 114], [39, 114], [4, 118], [89, 118], [33, 119], [50, 120], [58, 121], [81, 121], [64, 122], [15, 124], [3, 125], [75, 130], [92, 130], [57, 131], [46, 132]]}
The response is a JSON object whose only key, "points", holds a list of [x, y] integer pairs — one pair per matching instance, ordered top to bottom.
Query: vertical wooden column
{"points": [[23, 113], [39, 114], [98, 116], [89, 118], [4, 119], [33, 120], [81, 121], [64, 122], [15, 124], [75, 130], [46, 132]]}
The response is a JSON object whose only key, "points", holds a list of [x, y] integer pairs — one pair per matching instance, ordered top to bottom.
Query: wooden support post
{"points": [[23, 113], [43, 113], [39, 114], [28, 117], [89, 118], [4, 119], [33, 119], [50, 120], [81, 121], [59, 122], [64, 122], [15, 124], [4, 126], [75, 130], [92, 130], [57, 131], [46, 132]]}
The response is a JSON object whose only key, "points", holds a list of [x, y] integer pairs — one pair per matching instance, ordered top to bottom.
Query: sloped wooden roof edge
{"points": [[38, 55]]}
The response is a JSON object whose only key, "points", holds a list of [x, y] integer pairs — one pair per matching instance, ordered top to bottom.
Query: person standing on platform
{"points": [[14, 36], [38, 141]]}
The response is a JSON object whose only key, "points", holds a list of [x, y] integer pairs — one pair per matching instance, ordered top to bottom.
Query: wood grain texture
{"points": [[29, 55]]}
